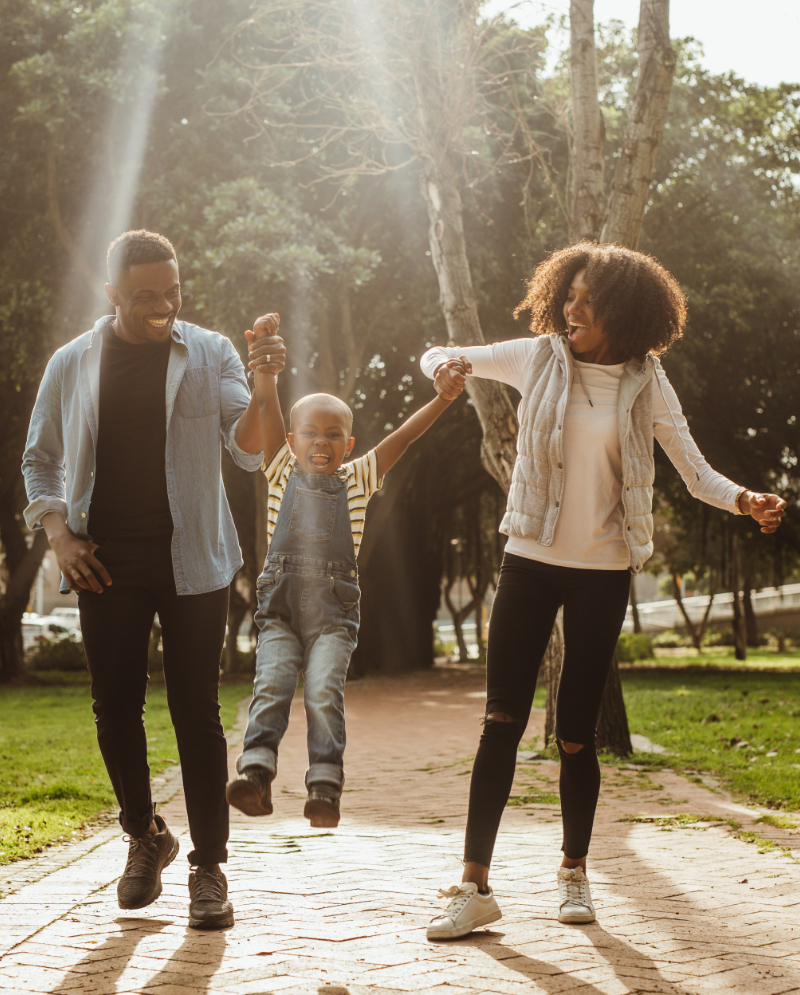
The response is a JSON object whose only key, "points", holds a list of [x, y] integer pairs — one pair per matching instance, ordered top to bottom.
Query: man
{"points": [[122, 470]]}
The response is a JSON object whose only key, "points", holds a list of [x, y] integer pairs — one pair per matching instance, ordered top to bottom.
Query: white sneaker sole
{"points": [[577, 920], [456, 931]]}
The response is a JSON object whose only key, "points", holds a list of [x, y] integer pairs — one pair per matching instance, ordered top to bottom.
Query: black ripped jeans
{"points": [[529, 594], [116, 634]]}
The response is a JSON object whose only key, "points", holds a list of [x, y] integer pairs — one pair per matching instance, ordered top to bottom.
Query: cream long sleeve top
{"points": [[589, 530]]}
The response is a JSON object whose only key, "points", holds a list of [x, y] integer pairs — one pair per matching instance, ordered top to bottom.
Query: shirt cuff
{"points": [[247, 461], [42, 506]]}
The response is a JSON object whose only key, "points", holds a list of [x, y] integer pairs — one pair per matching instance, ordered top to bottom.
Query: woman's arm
{"points": [[503, 361], [672, 431], [393, 446]]}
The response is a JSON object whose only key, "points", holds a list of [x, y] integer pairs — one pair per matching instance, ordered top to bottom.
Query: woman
{"points": [[579, 522]]}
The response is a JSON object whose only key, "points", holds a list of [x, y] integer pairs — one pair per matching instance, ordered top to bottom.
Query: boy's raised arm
{"points": [[267, 357], [393, 446]]}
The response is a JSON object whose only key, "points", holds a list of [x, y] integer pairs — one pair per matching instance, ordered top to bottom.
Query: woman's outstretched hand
{"points": [[450, 377], [767, 509]]}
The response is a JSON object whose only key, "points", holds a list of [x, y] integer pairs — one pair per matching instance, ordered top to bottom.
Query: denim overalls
{"points": [[308, 619]]}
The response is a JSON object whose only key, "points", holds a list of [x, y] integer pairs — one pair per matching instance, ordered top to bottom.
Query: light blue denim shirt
{"points": [[207, 394]]}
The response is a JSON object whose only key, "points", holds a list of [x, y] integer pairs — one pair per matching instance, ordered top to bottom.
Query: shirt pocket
{"points": [[198, 394], [313, 515]]}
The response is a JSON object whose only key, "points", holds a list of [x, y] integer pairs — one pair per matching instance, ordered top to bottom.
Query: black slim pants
{"points": [[529, 594], [116, 632]]}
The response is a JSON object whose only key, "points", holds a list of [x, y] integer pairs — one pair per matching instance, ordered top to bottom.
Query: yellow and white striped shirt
{"points": [[361, 477]]}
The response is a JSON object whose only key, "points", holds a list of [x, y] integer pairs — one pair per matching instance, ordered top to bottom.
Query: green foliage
{"points": [[671, 640], [632, 646], [58, 655]]}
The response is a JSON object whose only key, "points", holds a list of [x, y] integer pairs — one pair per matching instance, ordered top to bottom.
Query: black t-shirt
{"points": [[130, 491]]}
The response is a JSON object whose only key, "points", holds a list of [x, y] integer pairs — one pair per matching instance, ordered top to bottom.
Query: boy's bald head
{"points": [[303, 409]]}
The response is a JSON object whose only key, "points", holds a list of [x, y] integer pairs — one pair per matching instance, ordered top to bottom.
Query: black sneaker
{"points": [[252, 792], [322, 807], [140, 883], [209, 907]]}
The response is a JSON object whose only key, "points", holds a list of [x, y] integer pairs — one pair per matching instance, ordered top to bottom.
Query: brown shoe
{"points": [[252, 792], [322, 807], [148, 855], [209, 907]]}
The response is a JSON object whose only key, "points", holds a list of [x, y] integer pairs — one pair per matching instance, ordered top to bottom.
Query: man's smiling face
{"points": [[147, 298], [320, 436]]}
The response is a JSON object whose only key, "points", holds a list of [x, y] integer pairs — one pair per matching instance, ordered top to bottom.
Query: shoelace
{"points": [[142, 856], [206, 886], [576, 892], [458, 895]]}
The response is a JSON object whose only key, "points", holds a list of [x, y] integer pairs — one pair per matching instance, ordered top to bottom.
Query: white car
{"points": [[70, 616], [40, 628]]}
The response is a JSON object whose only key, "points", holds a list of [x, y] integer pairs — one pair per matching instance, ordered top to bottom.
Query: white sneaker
{"points": [[574, 897], [467, 910]]}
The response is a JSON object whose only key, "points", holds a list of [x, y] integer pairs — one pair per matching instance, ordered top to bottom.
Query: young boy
{"points": [[308, 593]]}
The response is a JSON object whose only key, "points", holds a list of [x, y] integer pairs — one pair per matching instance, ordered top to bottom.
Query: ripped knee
{"points": [[500, 717], [570, 747]]}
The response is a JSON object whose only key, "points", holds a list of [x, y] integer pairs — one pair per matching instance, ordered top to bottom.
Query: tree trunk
{"points": [[587, 162], [630, 189], [441, 190], [629, 192], [396, 570], [712, 590], [13, 603], [458, 616], [750, 622], [479, 623], [637, 625], [691, 628], [739, 628], [551, 676], [612, 726]]}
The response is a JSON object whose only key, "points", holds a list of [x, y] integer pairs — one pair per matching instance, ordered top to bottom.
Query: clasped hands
{"points": [[267, 350], [450, 377]]}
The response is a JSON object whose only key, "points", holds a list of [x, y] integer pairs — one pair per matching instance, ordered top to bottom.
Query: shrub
{"points": [[719, 637], [671, 640], [633, 646], [58, 654]]}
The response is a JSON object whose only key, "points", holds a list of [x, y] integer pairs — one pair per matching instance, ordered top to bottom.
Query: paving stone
{"points": [[344, 912]]}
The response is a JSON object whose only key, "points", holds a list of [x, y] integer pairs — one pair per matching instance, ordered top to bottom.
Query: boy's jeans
{"points": [[320, 651]]}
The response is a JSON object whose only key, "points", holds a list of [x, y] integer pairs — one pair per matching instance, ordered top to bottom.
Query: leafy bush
{"points": [[719, 637], [671, 640], [633, 646], [443, 648], [58, 654]]}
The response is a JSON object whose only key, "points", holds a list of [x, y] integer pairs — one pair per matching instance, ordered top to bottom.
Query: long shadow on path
{"points": [[194, 964], [103, 966]]}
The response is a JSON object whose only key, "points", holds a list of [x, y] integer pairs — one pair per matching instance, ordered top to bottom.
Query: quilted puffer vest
{"points": [[537, 483]]}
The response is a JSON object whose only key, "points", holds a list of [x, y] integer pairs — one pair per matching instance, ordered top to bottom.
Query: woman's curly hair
{"points": [[639, 304]]}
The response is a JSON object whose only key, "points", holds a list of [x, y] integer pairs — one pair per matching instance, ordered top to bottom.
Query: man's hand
{"points": [[267, 351], [450, 377], [767, 509], [76, 560]]}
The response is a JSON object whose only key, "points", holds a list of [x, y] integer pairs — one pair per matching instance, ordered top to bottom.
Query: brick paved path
{"points": [[681, 910]]}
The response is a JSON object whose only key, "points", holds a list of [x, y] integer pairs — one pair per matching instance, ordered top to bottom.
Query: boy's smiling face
{"points": [[320, 435]]}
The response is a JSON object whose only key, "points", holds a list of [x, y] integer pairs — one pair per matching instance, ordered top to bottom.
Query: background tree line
{"points": [[270, 208]]}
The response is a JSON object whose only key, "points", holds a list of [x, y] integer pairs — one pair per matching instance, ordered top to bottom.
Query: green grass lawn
{"points": [[703, 716], [703, 719], [52, 778]]}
